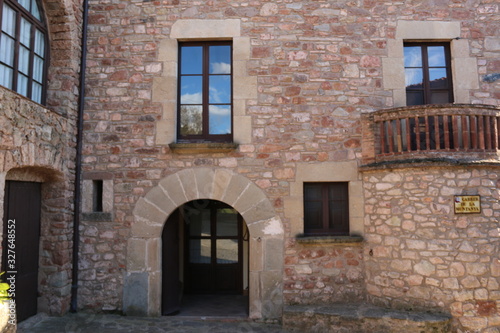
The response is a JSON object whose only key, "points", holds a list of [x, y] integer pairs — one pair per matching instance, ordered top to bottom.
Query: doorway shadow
{"points": [[214, 306]]}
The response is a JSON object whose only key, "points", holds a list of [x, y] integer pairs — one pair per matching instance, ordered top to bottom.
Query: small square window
{"points": [[427, 73], [326, 209]]}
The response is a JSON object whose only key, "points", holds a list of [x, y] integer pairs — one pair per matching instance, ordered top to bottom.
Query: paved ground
{"points": [[91, 323]]}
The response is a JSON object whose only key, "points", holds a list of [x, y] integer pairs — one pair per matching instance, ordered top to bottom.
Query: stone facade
{"points": [[304, 73], [37, 144], [420, 255]]}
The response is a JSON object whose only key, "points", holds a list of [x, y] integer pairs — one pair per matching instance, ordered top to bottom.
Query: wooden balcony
{"points": [[458, 133]]}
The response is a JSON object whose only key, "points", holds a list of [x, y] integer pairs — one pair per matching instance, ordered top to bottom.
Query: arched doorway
{"points": [[205, 261], [143, 278]]}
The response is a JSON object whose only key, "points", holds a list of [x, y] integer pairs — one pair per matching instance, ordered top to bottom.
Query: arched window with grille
{"points": [[23, 48]]}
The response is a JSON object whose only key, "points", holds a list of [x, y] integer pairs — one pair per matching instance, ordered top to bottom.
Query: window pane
{"points": [[25, 4], [35, 10], [9, 20], [25, 32], [39, 43], [7, 50], [413, 56], [436, 56], [24, 58], [220, 59], [191, 60], [37, 69], [6, 76], [413, 77], [438, 78], [22, 85], [220, 89], [191, 90], [36, 93], [440, 97], [414, 98], [220, 119], [191, 120], [337, 191], [312, 192], [313, 217], [338, 217], [199, 222], [227, 222], [199, 251], [227, 251]]}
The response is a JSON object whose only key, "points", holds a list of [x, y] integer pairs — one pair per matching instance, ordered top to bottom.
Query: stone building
{"points": [[40, 47], [298, 152]]}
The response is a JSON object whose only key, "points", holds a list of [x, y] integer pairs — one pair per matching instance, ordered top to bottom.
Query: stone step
{"points": [[362, 318]]}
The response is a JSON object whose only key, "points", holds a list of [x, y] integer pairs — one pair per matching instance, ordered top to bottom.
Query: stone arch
{"points": [[142, 285]]}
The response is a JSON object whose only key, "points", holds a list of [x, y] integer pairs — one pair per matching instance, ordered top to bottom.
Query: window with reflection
{"points": [[23, 48], [427, 73], [205, 92], [326, 209]]}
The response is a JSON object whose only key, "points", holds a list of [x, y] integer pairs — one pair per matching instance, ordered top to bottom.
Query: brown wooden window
{"points": [[23, 48], [427, 73], [205, 92], [326, 209]]}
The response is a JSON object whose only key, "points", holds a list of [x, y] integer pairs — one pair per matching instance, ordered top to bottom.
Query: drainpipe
{"points": [[78, 164]]}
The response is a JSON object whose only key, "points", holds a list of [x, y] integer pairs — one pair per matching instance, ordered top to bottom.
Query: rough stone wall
{"points": [[317, 64], [37, 143], [35, 146], [419, 254], [325, 273]]}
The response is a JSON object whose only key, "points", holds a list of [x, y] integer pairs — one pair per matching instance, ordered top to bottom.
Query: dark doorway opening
{"points": [[21, 243], [205, 261]]}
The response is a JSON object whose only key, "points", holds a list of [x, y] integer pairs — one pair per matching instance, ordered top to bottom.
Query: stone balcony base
{"points": [[361, 318]]}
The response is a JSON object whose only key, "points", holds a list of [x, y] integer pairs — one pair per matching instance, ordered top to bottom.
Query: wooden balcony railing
{"points": [[432, 131]]}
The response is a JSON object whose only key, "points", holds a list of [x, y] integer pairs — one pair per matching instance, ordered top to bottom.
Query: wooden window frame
{"points": [[36, 25], [426, 89], [205, 136], [338, 228]]}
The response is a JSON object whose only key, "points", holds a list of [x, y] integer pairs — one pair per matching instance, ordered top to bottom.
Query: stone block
{"points": [[190, 28], [428, 30], [241, 48], [245, 87], [244, 126], [188, 181], [205, 182], [221, 182], [174, 188], [234, 189], [250, 195], [159, 198], [148, 211], [136, 248], [273, 253], [153, 254], [135, 294], [271, 294]]}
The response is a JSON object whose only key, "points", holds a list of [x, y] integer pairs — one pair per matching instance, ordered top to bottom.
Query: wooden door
{"points": [[22, 219], [213, 259], [171, 285]]}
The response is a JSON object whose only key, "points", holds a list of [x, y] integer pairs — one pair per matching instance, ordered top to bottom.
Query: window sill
{"points": [[202, 148], [329, 239]]}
